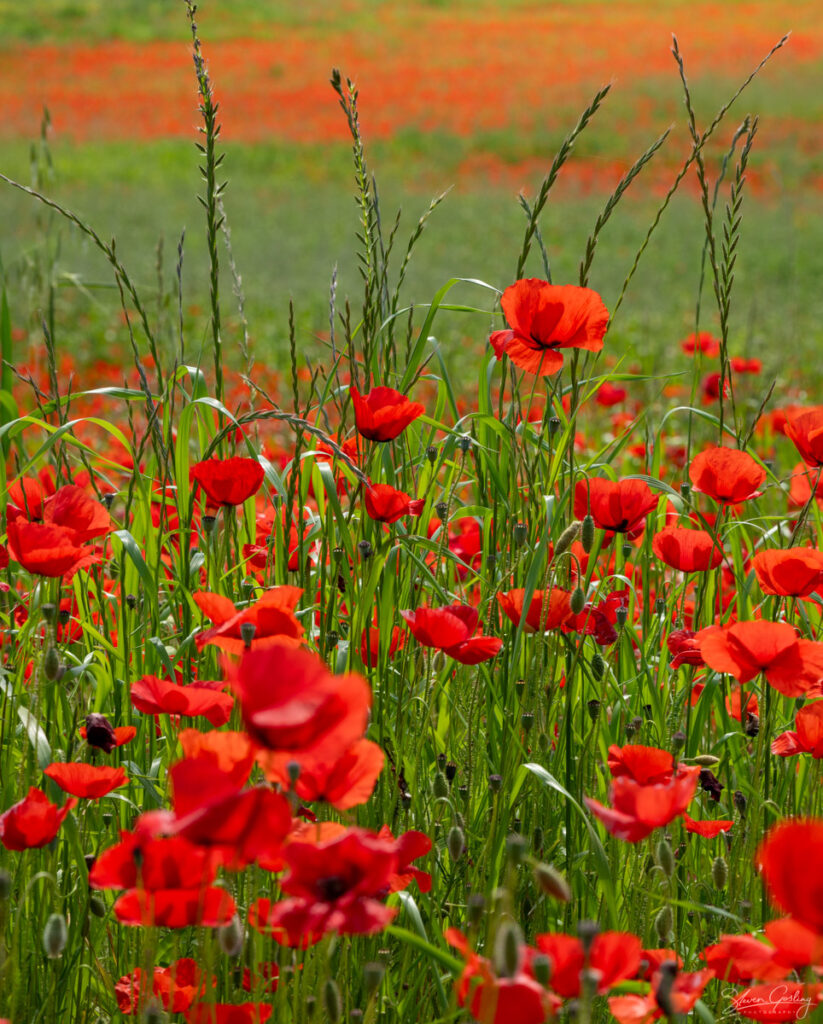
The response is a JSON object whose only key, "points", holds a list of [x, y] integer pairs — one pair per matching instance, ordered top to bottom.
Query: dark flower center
{"points": [[331, 888]]}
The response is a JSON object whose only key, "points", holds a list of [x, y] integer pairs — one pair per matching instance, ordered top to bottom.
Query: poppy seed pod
{"points": [[554, 425], [464, 443], [431, 453], [442, 510], [520, 534], [49, 612], [621, 613], [247, 631], [527, 721], [679, 740], [451, 771], [495, 783], [552, 883], [97, 906], [475, 908], [587, 932], [55, 936], [507, 944], [331, 1000], [153, 1014]]}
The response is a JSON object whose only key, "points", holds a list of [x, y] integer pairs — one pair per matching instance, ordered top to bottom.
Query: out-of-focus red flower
{"points": [[543, 318], [704, 342], [742, 365], [710, 387], [609, 394], [383, 413], [805, 429], [726, 474], [228, 482], [800, 486], [387, 505], [617, 506], [44, 549], [687, 550], [790, 572], [547, 610], [272, 616], [451, 630], [370, 644], [791, 665], [155, 696], [807, 736], [231, 752], [646, 765], [86, 780], [345, 783], [637, 810], [33, 821], [707, 829], [141, 859], [790, 859], [175, 908], [614, 955], [742, 958], [175, 986], [685, 991], [229, 1013]]}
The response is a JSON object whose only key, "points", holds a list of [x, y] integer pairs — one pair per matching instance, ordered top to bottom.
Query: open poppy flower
{"points": [[545, 317], [704, 342], [383, 413], [805, 429], [726, 474], [228, 482], [386, 505], [617, 506], [43, 548], [687, 550], [789, 572], [547, 609], [272, 616], [450, 629], [370, 644], [685, 648], [791, 665], [155, 696], [807, 736], [232, 752], [646, 765], [86, 780], [345, 783], [637, 810], [33, 821], [141, 859], [790, 859], [211, 907], [614, 955], [743, 958], [175, 986], [686, 990], [229, 1013]]}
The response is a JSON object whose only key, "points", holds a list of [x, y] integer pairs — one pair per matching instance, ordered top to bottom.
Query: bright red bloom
{"points": [[545, 317], [703, 342], [609, 394], [383, 414], [805, 430], [726, 474], [228, 481], [386, 505], [617, 506], [75, 510], [44, 549], [687, 550], [790, 572], [548, 609], [272, 616], [451, 630], [370, 644], [685, 647], [791, 665], [155, 696], [291, 702], [807, 737], [232, 752], [646, 765], [86, 780], [344, 783], [637, 810], [32, 822], [707, 829], [408, 846], [790, 859], [141, 860], [175, 908], [614, 955], [741, 958], [175, 986], [686, 990], [783, 1001], [229, 1013]]}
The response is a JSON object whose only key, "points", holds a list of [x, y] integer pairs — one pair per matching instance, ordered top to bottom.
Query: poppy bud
{"points": [[554, 425], [464, 443], [431, 453], [685, 490], [442, 510], [209, 523], [587, 532], [520, 534], [566, 538], [365, 549], [577, 601], [131, 602], [659, 606], [621, 613], [247, 631], [332, 639], [51, 664], [598, 665], [593, 707], [527, 721], [100, 733], [679, 740], [706, 760], [451, 771], [495, 782], [440, 787], [740, 803], [537, 838], [456, 843], [515, 848], [665, 858], [720, 872], [552, 883], [5, 885], [97, 906], [475, 906], [663, 922], [587, 932], [55, 936], [230, 937], [507, 945], [542, 969], [373, 973], [590, 979], [331, 1000]]}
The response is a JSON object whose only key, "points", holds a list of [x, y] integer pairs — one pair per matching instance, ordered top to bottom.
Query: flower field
{"points": [[452, 656]]}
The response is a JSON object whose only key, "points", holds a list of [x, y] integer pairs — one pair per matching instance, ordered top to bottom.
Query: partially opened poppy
{"points": [[544, 318], [383, 413], [805, 429], [728, 475], [228, 482], [386, 505], [617, 506], [687, 550], [789, 572], [548, 609], [451, 630], [790, 664], [155, 696], [807, 735], [646, 765], [86, 780], [345, 783], [637, 809], [33, 821], [790, 859], [615, 956]]}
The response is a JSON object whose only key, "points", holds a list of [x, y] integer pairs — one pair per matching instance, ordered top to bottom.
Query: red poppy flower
{"points": [[545, 317], [703, 342], [609, 394], [383, 414], [805, 429], [726, 474], [228, 481], [800, 486], [26, 497], [386, 505], [617, 506], [75, 510], [44, 549], [687, 550], [790, 572], [547, 610], [272, 616], [599, 620], [450, 630], [370, 644], [685, 647], [791, 665], [155, 696], [290, 702], [99, 733], [807, 737], [231, 752], [646, 765], [86, 780], [345, 783], [637, 810], [32, 822], [707, 829], [409, 847], [142, 860], [791, 862], [333, 886], [175, 908], [795, 945], [614, 955], [742, 958], [651, 960], [265, 978], [175, 986], [686, 990], [785, 1001], [229, 1013]]}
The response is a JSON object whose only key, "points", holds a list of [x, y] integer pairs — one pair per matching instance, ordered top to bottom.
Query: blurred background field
{"points": [[469, 96]]}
